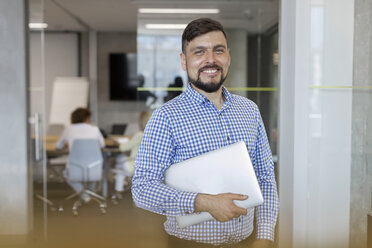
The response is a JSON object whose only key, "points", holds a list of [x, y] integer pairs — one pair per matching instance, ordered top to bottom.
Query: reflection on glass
{"points": [[159, 62], [254, 75], [330, 118]]}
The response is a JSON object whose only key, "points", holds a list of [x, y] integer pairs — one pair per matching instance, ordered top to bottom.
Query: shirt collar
{"points": [[199, 98]]}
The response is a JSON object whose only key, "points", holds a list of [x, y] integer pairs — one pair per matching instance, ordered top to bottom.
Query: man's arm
{"points": [[153, 158], [267, 213]]}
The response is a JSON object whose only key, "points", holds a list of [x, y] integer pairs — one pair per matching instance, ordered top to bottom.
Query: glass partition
{"points": [[253, 43], [37, 112], [326, 176]]}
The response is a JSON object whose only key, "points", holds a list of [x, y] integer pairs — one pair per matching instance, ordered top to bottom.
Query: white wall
{"points": [[61, 60], [237, 76], [111, 112]]}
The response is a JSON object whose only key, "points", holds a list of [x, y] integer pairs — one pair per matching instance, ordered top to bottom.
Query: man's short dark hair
{"points": [[198, 27], [80, 115]]}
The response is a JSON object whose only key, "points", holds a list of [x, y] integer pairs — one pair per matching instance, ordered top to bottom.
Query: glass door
{"points": [[37, 115]]}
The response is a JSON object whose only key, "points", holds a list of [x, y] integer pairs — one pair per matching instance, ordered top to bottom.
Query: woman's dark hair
{"points": [[198, 27], [80, 115]]}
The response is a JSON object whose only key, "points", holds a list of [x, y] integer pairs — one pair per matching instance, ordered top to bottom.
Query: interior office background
{"points": [[322, 110]]}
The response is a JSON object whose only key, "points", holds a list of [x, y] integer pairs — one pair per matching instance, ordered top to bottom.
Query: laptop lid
{"points": [[225, 170]]}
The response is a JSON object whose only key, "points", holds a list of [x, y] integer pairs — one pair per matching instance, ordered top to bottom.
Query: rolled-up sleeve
{"points": [[153, 158]]}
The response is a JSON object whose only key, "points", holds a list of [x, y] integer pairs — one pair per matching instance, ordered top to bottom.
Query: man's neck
{"points": [[216, 98]]}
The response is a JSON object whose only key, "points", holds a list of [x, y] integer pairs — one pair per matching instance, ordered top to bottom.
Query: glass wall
{"points": [[254, 59], [159, 63], [37, 116], [330, 121], [324, 160]]}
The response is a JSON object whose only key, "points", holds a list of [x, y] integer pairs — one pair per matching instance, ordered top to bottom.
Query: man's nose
{"points": [[210, 57]]}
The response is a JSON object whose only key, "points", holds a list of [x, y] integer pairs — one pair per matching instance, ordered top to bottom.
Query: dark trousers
{"points": [[174, 242]]}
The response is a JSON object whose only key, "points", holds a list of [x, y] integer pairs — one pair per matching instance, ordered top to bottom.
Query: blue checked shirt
{"points": [[190, 125]]}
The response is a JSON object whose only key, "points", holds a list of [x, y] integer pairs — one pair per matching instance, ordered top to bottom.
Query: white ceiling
{"points": [[121, 15]]}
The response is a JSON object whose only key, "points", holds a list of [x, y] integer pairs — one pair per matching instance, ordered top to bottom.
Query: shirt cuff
{"points": [[186, 202], [265, 231]]}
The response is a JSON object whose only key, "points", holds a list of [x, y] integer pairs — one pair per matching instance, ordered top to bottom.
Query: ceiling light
{"points": [[177, 11], [37, 25], [165, 26]]}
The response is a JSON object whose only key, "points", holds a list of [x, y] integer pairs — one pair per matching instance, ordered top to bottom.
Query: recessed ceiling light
{"points": [[177, 11], [37, 25], [165, 26]]}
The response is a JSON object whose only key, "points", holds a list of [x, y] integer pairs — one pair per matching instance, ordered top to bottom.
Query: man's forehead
{"points": [[210, 39]]}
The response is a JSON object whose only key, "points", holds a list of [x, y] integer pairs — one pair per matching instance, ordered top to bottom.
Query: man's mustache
{"points": [[212, 66]]}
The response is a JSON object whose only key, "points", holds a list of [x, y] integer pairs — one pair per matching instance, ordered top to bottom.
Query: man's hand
{"points": [[220, 206], [262, 243]]}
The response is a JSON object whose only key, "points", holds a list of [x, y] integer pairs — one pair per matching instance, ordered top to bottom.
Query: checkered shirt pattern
{"points": [[190, 125]]}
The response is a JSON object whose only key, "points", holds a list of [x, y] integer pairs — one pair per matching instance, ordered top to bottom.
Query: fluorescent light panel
{"points": [[177, 11], [37, 25], [165, 26]]}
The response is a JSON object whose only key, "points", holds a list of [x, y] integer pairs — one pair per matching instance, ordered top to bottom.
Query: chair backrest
{"points": [[118, 129], [85, 161]]}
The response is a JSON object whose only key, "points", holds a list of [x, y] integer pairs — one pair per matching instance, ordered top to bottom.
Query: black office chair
{"points": [[118, 129]]}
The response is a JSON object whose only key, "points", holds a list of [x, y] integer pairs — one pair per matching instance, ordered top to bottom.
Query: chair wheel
{"points": [[115, 202], [60, 209], [103, 210], [75, 212]]}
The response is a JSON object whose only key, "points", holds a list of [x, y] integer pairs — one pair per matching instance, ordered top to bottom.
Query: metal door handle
{"points": [[37, 136]]}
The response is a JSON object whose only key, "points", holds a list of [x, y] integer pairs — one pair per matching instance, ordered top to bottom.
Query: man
{"points": [[203, 118]]}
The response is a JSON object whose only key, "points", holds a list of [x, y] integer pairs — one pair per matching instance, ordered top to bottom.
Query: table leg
{"points": [[106, 156]]}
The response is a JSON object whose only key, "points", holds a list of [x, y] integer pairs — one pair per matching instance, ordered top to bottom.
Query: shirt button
{"points": [[228, 138], [164, 211]]}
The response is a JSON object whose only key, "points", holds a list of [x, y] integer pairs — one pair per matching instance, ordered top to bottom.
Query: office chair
{"points": [[85, 163], [55, 167]]}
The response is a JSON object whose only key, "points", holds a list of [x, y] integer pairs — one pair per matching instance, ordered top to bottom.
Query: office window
{"points": [[159, 62]]}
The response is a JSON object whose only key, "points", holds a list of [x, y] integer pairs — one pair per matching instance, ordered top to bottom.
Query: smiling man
{"points": [[204, 118]]}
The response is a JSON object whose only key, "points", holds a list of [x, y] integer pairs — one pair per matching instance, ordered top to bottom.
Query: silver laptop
{"points": [[225, 170]]}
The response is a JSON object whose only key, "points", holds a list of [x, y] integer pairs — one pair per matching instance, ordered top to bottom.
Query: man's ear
{"points": [[183, 61]]}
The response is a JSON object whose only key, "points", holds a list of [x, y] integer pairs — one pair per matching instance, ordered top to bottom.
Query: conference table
{"points": [[111, 149]]}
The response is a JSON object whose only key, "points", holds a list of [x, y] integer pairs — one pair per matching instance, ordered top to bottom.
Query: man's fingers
{"points": [[239, 197], [243, 197], [240, 210], [243, 211]]}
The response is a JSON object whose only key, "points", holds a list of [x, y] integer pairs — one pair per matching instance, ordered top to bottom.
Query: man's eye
{"points": [[220, 51], [199, 52]]}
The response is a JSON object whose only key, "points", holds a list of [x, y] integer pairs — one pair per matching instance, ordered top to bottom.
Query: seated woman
{"points": [[80, 128], [125, 165]]}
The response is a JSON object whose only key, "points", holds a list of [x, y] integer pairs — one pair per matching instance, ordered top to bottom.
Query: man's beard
{"points": [[208, 87]]}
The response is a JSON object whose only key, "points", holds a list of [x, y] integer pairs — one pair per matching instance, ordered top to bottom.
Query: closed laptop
{"points": [[225, 170]]}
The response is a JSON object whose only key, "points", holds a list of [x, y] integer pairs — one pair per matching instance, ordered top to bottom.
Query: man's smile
{"points": [[210, 71]]}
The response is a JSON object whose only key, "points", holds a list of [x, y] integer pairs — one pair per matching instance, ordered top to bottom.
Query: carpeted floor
{"points": [[124, 225]]}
